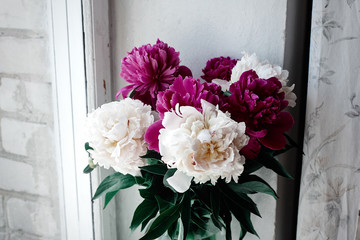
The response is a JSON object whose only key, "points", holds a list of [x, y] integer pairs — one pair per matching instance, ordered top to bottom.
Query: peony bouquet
{"points": [[192, 146]]}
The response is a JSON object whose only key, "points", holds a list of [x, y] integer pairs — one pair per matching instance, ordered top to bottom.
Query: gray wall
{"points": [[29, 207]]}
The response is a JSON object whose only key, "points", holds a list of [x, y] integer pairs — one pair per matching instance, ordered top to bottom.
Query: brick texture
{"points": [[21, 14], [24, 55], [33, 100], [25, 138], [20, 177], [29, 196], [31, 217]]}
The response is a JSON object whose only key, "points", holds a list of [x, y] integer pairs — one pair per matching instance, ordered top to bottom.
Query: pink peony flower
{"points": [[218, 68], [150, 69], [185, 92], [188, 92], [259, 104], [152, 135], [251, 150]]}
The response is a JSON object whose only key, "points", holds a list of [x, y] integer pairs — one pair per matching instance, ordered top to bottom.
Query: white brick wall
{"points": [[22, 14], [24, 55], [32, 100], [16, 135], [20, 177], [29, 204], [31, 217]]}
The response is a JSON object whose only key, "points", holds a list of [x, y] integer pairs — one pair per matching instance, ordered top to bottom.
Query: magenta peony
{"points": [[218, 68], [150, 69], [188, 92], [259, 104], [152, 135], [251, 150]]}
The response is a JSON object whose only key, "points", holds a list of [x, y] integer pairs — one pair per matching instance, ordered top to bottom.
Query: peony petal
{"points": [[218, 68], [149, 69], [184, 71], [225, 85], [124, 91], [284, 121], [256, 134], [152, 135], [274, 140], [251, 150], [180, 181]]}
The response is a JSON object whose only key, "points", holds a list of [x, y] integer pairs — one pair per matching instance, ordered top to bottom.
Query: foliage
{"points": [[204, 209]]}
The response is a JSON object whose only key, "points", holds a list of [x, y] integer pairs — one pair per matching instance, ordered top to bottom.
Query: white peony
{"points": [[263, 70], [116, 133], [202, 145]]}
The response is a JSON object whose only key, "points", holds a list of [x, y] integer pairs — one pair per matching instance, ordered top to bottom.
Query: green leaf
{"points": [[132, 93], [227, 93], [87, 146], [281, 151], [152, 154], [153, 161], [268, 161], [251, 166], [88, 169], [158, 169], [140, 180], [114, 182], [252, 184], [156, 187], [254, 187], [146, 193], [203, 194], [109, 196], [240, 200], [215, 203], [162, 204], [215, 208], [145, 209], [186, 213], [243, 216], [147, 220], [227, 220], [163, 222], [217, 222], [201, 224], [207, 227], [173, 230], [242, 232], [211, 238]]}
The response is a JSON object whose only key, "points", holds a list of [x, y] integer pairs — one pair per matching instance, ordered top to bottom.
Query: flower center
{"points": [[206, 150]]}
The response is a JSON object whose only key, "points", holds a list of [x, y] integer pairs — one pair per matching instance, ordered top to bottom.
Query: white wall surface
{"points": [[199, 30], [29, 206]]}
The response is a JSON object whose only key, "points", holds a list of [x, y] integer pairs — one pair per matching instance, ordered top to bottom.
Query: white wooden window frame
{"points": [[98, 78], [82, 82]]}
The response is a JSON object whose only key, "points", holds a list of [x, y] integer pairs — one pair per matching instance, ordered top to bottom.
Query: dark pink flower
{"points": [[218, 68], [150, 69], [188, 92], [259, 104], [152, 135], [252, 149]]}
